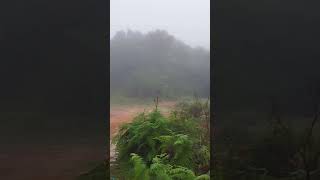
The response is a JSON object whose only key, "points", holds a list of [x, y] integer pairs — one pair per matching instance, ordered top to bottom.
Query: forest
{"points": [[157, 64]]}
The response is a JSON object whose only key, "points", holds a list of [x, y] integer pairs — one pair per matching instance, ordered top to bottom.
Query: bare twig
{"points": [[156, 102]]}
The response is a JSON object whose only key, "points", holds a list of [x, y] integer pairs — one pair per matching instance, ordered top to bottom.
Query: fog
{"points": [[187, 20], [156, 64]]}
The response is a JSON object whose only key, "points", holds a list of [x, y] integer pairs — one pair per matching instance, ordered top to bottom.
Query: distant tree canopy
{"points": [[157, 64]]}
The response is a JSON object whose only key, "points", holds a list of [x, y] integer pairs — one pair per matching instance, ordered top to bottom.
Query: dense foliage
{"points": [[157, 64], [157, 147], [161, 170]]}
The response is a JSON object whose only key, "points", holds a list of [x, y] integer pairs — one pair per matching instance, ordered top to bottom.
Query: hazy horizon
{"points": [[186, 20]]}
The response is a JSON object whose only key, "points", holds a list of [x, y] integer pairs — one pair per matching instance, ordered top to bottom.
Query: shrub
{"points": [[139, 136], [164, 148], [160, 169]]}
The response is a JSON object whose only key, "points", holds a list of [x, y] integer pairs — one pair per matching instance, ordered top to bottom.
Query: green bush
{"points": [[139, 136], [159, 147], [160, 169]]}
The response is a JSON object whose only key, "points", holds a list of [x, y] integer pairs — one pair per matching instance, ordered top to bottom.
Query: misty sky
{"points": [[187, 20]]}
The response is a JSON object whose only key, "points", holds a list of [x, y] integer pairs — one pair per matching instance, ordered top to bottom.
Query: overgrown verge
{"points": [[172, 148]]}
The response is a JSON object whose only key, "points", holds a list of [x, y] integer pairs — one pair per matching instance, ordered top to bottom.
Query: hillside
{"points": [[157, 64]]}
